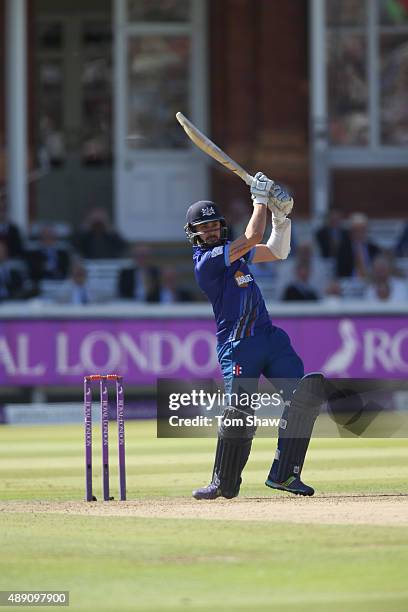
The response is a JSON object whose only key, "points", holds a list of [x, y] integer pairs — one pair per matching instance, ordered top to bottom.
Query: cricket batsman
{"points": [[248, 344]]}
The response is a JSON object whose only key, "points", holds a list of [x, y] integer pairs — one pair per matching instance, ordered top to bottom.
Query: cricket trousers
{"points": [[270, 354], [242, 363]]}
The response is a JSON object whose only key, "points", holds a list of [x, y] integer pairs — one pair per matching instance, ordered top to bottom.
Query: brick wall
{"points": [[376, 192]]}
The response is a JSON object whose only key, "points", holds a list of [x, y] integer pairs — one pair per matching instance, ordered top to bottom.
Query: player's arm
{"points": [[261, 187], [253, 234], [277, 247], [262, 254]]}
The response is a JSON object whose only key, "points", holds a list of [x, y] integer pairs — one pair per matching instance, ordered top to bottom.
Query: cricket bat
{"points": [[209, 147]]}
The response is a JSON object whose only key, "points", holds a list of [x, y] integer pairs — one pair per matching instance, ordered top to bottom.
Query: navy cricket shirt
{"points": [[237, 301]]}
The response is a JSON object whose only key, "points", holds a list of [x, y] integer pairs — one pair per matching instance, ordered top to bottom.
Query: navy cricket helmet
{"points": [[204, 211]]}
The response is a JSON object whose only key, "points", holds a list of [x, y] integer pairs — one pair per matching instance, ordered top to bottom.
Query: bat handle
{"points": [[248, 179]]}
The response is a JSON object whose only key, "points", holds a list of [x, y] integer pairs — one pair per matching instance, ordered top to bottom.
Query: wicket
{"points": [[120, 417]]}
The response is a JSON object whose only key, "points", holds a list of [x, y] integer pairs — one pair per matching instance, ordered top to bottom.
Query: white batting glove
{"points": [[261, 187], [280, 203], [278, 217]]}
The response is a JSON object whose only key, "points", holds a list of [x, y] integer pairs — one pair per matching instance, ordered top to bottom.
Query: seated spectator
{"points": [[9, 232], [331, 234], [98, 240], [401, 249], [304, 252], [356, 252], [49, 260], [11, 279], [140, 282], [383, 286], [300, 289], [75, 290], [171, 291], [333, 292]]}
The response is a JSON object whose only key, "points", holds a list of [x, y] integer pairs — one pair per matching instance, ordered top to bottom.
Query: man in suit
{"points": [[9, 232], [331, 235], [98, 240], [401, 250], [356, 252], [49, 260], [11, 279], [140, 282], [300, 289], [76, 290], [171, 291]]}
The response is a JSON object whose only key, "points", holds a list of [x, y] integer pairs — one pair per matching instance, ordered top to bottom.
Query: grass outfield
{"points": [[133, 563]]}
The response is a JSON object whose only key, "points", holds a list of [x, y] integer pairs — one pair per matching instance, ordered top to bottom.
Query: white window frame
{"points": [[197, 28], [375, 153], [183, 172]]}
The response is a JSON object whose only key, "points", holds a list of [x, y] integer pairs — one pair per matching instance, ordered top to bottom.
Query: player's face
{"points": [[210, 232]]}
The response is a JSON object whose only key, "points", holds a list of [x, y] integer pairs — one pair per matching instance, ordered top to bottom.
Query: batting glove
{"points": [[261, 187], [280, 203]]}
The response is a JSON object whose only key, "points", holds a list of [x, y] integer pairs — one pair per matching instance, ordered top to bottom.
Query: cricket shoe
{"points": [[292, 485], [212, 491]]}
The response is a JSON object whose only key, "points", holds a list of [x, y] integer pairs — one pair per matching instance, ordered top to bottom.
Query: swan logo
{"points": [[379, 351], [338, 363]]}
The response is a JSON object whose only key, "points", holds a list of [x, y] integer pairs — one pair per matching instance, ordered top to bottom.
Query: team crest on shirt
{"points": [[242, 279]]}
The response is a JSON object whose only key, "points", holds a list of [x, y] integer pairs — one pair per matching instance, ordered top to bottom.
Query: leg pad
{"points": [[296, 426]]}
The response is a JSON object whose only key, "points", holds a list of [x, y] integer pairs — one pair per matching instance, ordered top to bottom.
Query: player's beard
{"points": [[212, 239]]}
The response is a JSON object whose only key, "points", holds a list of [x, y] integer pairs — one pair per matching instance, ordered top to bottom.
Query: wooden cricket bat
{"points": [[206, 145]]}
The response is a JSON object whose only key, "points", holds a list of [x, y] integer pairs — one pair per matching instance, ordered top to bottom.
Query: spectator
{"points": [[9, 232], [331, 234], [99, 241], [401, 249], [305, 252], [356, 252], [49, 260], [11, 279], [140, 282], [383, 286], [300, 289], [76, 290], [171, 291], [333, 291]]}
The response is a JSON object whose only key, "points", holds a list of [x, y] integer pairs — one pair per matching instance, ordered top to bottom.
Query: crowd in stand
{"points": [[340, 262], [354, 265], [28, 266]]}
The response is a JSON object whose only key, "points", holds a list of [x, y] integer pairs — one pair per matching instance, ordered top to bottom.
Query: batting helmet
{"points": [[204, 211]]}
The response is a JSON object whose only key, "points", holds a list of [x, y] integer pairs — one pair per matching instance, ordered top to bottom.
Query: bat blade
{"points": [[211, 149]]}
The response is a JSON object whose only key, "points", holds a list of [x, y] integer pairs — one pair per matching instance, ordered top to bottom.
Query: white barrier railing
{"points": [[123, 309]]}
